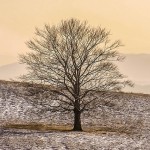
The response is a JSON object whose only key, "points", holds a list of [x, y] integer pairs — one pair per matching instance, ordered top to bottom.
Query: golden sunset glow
{"points": [[127, 20]]}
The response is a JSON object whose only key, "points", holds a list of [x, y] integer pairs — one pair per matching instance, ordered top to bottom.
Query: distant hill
{"points": [[7, 59], [135, 66], [137, 69], [11, 71], [138, 89]]}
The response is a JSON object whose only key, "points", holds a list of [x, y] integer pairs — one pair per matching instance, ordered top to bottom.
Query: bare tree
{"points": [[76, 60]]}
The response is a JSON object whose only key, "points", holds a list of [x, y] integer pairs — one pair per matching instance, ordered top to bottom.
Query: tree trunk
{"points": [[77, 120]]}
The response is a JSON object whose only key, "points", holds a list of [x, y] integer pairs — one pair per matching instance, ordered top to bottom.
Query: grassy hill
{"points": [[121, 121]]}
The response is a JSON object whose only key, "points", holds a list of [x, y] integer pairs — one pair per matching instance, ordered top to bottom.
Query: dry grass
{"points": [[39, 127], [47, 127], [105, 129]]}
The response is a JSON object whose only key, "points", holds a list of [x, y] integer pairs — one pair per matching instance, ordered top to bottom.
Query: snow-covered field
{"points": [[129, 111], [25, 140]]}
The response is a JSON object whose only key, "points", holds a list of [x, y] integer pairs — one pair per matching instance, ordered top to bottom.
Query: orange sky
{"points": [[128, 20]]}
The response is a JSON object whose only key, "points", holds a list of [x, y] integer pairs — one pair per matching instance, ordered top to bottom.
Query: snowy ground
{"points": [[131, 111], [35, 140]]}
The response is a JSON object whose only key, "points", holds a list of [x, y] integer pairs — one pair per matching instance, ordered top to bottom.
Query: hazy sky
{"points": [[128, 20]]}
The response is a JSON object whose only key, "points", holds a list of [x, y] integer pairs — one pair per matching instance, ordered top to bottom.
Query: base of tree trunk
{"points": [[77, 121], [77, 129]]}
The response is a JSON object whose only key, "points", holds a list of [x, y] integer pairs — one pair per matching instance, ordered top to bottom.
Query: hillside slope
{"points": [[17, 103], [126, 111]]}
